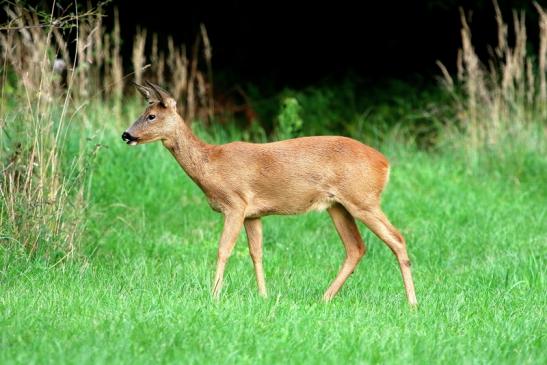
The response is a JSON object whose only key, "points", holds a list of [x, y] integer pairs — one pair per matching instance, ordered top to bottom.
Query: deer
{"points": [[247, 181]]}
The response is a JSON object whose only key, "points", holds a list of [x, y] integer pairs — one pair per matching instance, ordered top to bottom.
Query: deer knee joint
{"points": [[361, 250], [356, 253], [405, 263]]}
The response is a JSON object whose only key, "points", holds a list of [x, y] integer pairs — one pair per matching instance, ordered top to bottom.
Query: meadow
{"points": [[477, 243], [107, 252]]}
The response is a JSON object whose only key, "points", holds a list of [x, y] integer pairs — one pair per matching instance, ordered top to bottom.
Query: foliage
{"points": [[500, 104], [289, 122]]}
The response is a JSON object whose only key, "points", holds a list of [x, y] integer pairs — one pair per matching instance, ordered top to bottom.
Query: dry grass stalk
{"points": [[502, 31], [62, 47], [154, 51], [208, 54], [97, 56], [116, 57], [139, 58], [158, 60], [107, 63], [83, 67], [97, 67], [178, 67], [160, 69], [180, 74], [471, 76], [180, 79], [446, 79], [542, 96], [500, 101], [191, 104], [203, 113], [34, 185], [41, 188], [40, 209]]}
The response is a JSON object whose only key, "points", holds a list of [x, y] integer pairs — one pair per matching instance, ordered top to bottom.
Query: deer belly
{"points": [[282, 205], [321, 205]]}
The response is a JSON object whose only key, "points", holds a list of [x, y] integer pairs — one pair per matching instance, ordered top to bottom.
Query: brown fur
{"points": [[245, 181]]}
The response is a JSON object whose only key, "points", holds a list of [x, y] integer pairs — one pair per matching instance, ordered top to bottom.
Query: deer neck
{"points": [[191, 153]]}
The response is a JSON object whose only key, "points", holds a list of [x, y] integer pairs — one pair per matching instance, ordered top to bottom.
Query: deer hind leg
{"points": [[378, 223], [232, 226], [253, 227], [353, 243]]}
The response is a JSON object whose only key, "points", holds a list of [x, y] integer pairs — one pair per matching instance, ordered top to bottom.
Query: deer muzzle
{"points": [[129, 139]]}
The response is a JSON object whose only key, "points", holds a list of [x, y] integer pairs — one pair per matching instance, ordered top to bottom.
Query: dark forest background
{"points": [[291, 43], [278, 44]]}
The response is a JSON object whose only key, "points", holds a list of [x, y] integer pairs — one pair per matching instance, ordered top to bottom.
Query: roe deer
{"points": [[245, 181]]}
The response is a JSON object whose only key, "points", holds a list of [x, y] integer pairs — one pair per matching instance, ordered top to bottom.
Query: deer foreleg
{"points": [[232, 226]]}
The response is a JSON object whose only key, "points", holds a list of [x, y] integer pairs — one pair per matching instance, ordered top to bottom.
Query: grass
{"points": [[141, 292]]}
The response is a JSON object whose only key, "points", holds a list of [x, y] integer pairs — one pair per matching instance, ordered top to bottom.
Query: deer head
{"points": [[159, 120]]}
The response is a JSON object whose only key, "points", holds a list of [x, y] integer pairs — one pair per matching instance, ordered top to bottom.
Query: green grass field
{"points": [[140, 293]]}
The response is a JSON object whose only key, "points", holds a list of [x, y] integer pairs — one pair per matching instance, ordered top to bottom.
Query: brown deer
{"points": [[245, 181]]}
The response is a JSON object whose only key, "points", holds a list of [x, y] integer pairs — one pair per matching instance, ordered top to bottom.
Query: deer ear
{"points": [[146, 92], [163, 96]]}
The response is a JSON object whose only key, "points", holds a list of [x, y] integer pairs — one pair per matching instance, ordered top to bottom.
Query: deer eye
{"points": [[151, 117]]}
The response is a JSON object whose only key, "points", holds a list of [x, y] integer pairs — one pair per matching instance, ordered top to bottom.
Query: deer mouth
{"points": [[129, 139]]}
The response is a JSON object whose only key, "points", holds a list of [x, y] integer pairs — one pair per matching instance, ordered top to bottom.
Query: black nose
{"points": [[127, 137]]}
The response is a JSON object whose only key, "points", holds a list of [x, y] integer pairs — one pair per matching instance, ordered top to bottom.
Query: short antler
{"points": [[144, 91], [154, 94]]}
